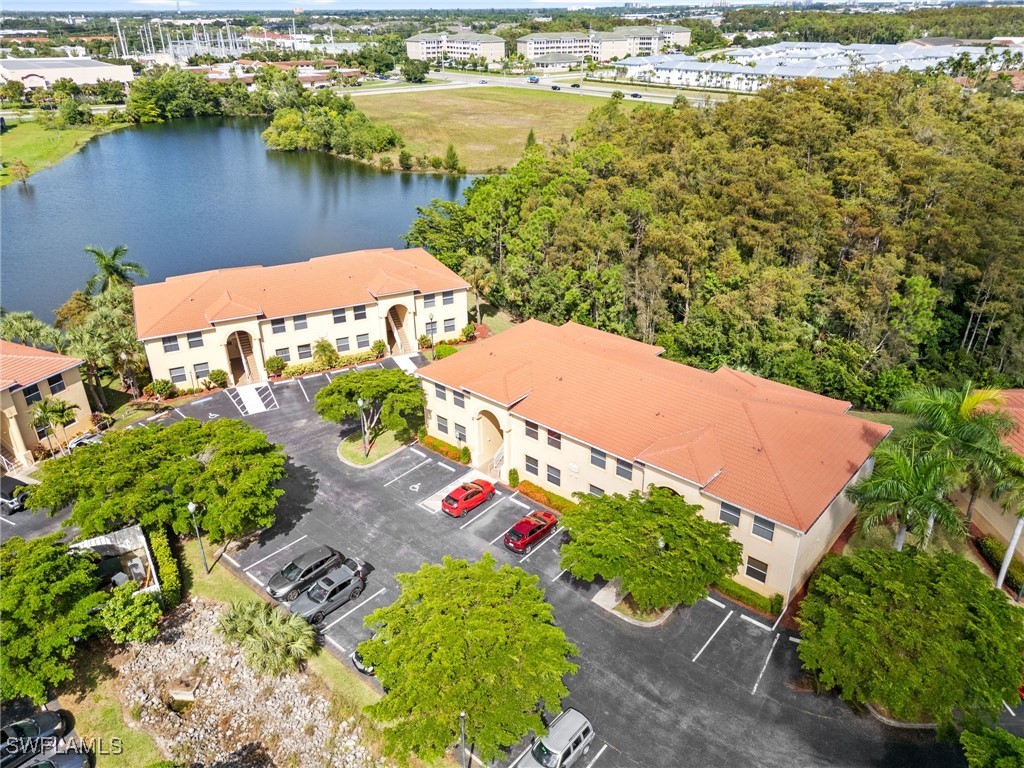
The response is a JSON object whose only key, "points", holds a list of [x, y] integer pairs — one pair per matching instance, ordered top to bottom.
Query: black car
{"points": [[575, 85], [556, 87], [635, 96], [10, 498], [292, 580], [24, 739], [62, 760]]}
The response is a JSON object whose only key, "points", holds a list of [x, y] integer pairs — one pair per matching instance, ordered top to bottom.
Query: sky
{"points": [[310, 6]]}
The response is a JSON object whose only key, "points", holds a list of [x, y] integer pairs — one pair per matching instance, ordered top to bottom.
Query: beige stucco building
{"points": [[430, 46], [604, 46], [42, 73], [234, 319], [27, 375], [576, 410]]}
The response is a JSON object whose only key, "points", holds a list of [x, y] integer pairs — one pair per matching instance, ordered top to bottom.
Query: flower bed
{"points": [[447, 450], [548, 499], [769, 606]]}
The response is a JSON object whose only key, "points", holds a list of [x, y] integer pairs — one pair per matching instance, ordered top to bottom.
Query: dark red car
{"points": [[467, 497], [532, 529]]}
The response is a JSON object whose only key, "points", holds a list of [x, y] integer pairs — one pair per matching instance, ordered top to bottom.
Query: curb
{"points": [[373, 463], [609, 606], [638, 623], [900, 723]]}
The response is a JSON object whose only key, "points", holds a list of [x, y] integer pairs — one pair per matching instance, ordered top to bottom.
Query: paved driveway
{"points": [[712, 686]]}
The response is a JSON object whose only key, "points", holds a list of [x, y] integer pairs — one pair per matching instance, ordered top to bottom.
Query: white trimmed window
{"points": [[448, 297], [429, 300], [359, 313], [339, 316], [300, 322], [277, 325], [449, 325], [431, 328], [195, 340], [363, 340], [170, 343], [342, 344], [305, 351], [284, 353], [202, 371], [178, 375], [56, 384], [440, 392], [32, 394], [459, 399], [442, 424], [531, 430], [460, 433], [555, 439], [598, 458], [531, 465], [624, 468], [554, 475], [595, 491], [729, 514], [763, 528], [757, 569]]}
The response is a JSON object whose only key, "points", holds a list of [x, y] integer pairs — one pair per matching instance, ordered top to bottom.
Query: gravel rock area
{"points": [[236, 717]]}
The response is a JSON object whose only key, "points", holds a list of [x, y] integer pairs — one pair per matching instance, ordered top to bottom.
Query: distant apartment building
{"points": [[459, 46], [604, 46], [42, 73], [234, 319], [27, 375]]}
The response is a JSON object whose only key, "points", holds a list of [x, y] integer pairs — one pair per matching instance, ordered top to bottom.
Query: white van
{"points": [[568, 740]]}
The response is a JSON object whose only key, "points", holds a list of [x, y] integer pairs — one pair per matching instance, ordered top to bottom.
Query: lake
{"points": [[192, 195]]}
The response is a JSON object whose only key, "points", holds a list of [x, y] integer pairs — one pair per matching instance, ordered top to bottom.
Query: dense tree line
{"points": [[824, 26], [850, 238]]}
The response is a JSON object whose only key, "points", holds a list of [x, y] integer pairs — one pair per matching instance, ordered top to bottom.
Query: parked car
{"points": [[483, 82], [575, 85], [556, 87], [634, 96], [86, 438], [10, 496], [467, 497], [531, 530], [303, 571], [344, 583], [357, 660], [24, 739], [568, 740], [63, 760]]}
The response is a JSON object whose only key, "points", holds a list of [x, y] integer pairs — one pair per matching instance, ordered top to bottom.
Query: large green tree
{"points": [[112, 268], [391, 400], [150, 475], [908, 486], [660, 546], [47, 604], [926, 636], [466, 637], [992, 748]]}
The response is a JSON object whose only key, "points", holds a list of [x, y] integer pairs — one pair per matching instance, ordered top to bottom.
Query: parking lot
{"points": [[714, 685]]}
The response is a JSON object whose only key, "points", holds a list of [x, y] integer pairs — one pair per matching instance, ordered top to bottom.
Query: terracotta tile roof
{"points": [[196, 301], [21, 365], [1014, 403], [772, 449]]}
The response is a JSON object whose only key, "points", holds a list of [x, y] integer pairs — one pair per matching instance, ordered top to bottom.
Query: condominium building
{"points": [[459, 46], [604, 46], [42, 73], [234, 319], [27, 375], [576, 410]]}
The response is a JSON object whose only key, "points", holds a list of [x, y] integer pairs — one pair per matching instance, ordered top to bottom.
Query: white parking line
{"points": [[327, 376], [303, 390], [203, 400], [179, 413], [421, 454], [445, 466], [389, 482], [513, 500], [490, 506], [9, 522], [554, 533], [499, 536], [282, 549], [231, 560], [560, 574], [254, 578], [712, 600], [354, 608], [729, 616], [756, 623], [794, 639], [336, 644], [765, 666], [1012, 713], [599, 753], [515, 762]]}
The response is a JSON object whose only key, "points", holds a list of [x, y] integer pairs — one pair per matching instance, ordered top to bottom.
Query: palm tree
{"points": [[112, 268], [479, 272], [24, 328], [91, 349], [63, 414], [43, 415], [970, 424], [909, 483], [1010, 490], [274, 642]]}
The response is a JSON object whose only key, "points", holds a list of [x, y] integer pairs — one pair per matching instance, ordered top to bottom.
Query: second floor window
{"points": [[359, 313], [300, 322], [277, 326], [170, 343], [554, 439]]}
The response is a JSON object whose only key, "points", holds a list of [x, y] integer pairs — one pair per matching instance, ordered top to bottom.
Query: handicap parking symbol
{"points": [[415, 487]]}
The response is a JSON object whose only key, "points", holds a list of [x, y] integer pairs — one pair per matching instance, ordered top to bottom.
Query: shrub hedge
{"points": [[441, 351], [314, 366], [447, 450], [464, 455], [513, 477], [548, 499], [993, 550], [166, 567], [769, 605]]}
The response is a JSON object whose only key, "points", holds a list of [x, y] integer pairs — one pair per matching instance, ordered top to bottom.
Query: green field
{"points": [[488, 126], [40, 148], [901, 423]]}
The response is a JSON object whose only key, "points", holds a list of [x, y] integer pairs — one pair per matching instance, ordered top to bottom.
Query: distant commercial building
{"points": [[458, 46], [604, 46], [42, 73]]}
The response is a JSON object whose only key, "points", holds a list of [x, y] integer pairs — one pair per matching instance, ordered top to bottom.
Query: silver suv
{"points": [[342, 584], [568, 740]]}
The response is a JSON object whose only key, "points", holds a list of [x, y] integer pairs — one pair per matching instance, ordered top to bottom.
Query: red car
{"points": [[467, 497], [522, 536]]}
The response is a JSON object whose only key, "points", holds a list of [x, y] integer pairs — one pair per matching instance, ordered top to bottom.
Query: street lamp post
{"points": [[130, 375], [362, 426], [192, 511], [465, 757]]}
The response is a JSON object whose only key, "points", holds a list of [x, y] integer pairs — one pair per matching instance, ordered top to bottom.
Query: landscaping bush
{"points": [[469, 332], [424, 342], [379, 348], [444, 350], [325, 355], [275, 365], [301, 369], [219, 377], [163, 388], [421, 433], [447, 450], [464, 456], [513, 477], [548, 499], [994, 551], [167, 570], [771, 606], [274, 642]]}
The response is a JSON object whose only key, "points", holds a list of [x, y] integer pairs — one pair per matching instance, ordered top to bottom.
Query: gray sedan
{"points": [[296, 577], [344, 583], [26, 738]]}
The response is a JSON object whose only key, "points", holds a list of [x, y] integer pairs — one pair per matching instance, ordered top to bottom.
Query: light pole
{"points": [[433, 329], [130, 375], [362, 426], [192, 511], [465, 757]]}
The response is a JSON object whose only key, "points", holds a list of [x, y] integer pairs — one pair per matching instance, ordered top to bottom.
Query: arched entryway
{"points": [[399, 341], [242, 359], [490, 443]]}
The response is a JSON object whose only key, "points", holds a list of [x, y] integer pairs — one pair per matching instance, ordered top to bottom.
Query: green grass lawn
{"points": [[488, 126], [40, 148], [497, 320], [901, 423], [351, 448], [884, 537]]}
